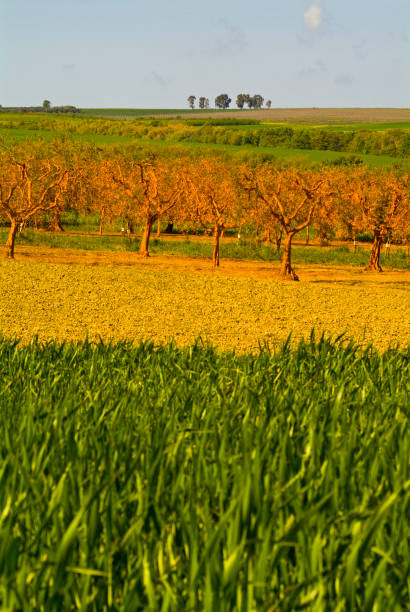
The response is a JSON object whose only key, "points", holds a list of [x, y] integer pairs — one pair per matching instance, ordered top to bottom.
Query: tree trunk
{"points": [[102, 217], [55, 223], [130, 226], [159, 227], [169, 227], [307, 234], [11, 239], [278, 239], [324, 241], [143, 250], [215, 256], [374, 261], [286, 271]]}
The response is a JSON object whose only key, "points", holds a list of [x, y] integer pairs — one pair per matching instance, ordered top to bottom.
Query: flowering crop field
{"points": [[157, 300]]}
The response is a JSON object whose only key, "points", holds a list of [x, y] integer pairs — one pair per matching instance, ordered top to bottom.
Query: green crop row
{"points": [[156, 478]]}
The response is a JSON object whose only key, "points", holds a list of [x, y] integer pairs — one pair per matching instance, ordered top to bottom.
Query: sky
{"points": [[155, 53]]}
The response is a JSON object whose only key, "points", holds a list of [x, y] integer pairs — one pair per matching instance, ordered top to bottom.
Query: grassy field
{"points": [[125, 113], [318, 116], [167, 134], [20, 135], [304, 157], [201, 247], [122, 297], [135, 478]]}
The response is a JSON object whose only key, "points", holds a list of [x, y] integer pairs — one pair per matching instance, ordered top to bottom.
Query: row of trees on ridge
{"points": [[224, 101]]}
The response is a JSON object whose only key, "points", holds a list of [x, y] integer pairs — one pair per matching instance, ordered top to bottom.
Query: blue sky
{"points": [[155, 53]]}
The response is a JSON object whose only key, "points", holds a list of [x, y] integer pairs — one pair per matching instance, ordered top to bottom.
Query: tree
{"points": [[191, 100], [241, 100], [222, 101], [257, 101], [202, 102], [206, 102], [268, 103], [46, 104], [28, 185], [153, 188], [96, 191], [285, 197], [211, 198], [381, 205], [326, 219]]}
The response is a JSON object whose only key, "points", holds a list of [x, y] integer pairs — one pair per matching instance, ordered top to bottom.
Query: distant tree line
{"points": [[223, 101], [202, 103], [45, 108]]}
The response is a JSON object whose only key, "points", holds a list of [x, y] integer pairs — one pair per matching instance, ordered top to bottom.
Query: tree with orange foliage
{"points": [[28, 185], [153, 188], [96, 191], [287, 197], [213, 198], [381, 206], [329, 215]]}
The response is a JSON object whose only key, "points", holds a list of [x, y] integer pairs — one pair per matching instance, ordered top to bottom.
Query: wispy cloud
{"points": [[313, 16], [229, 39], [316, 69], [158, 79], [344, 80]]}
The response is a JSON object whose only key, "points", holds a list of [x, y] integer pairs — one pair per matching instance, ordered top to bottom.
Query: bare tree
{"points": [[28, 185]]}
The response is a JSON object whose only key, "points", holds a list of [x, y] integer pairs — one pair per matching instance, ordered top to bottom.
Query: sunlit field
{"points": [[204, 360]]}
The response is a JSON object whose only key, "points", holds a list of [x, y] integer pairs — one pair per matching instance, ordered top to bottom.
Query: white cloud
{"points": [[313, 16]]}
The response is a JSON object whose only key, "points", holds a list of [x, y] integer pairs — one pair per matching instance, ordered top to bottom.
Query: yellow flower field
{"points": [[236, 307]]}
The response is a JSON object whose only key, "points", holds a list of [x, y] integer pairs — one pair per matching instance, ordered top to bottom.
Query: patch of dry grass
{"points": [[314, 115], [234, 307]]}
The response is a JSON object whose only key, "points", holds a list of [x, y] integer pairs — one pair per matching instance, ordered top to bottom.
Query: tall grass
{"points": [[143, 478]]}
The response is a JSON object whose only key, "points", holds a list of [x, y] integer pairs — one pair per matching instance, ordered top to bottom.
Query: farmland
{"points": [[316, 116], [380, 142], [124, 298], [183, 426], [138, 479]]}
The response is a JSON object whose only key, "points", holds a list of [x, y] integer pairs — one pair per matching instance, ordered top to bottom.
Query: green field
{"points": [[138, 112], [26, 135], [377, 144], [304, 157], [135, 478]]}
